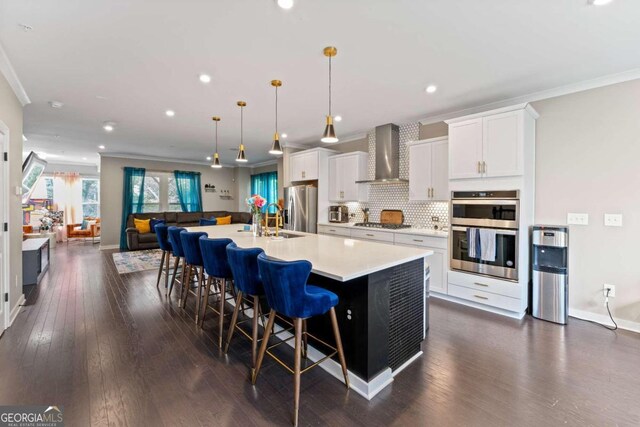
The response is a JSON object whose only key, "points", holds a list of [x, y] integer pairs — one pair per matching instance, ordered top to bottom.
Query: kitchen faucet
{"points": [[278, 217]]}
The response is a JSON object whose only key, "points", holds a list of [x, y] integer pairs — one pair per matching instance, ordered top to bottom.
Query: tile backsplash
{"points": [[396, 196]]}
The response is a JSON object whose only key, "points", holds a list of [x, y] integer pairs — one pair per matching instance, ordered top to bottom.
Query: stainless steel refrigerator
{"points": [[301, 208]]}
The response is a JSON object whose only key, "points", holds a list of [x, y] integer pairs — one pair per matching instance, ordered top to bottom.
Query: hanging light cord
{"points": [[329, 86], [276, 109], [241, 125], [216, 137]]}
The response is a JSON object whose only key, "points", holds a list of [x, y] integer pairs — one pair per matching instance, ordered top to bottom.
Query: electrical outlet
{"points": [[435, 218], [578, 218], [613, 220], [612, 292]]}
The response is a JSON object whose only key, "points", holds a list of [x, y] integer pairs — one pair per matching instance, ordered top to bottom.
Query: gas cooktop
{"points": [[381, 225]]}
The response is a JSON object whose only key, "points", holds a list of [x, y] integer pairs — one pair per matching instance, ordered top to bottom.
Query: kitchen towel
{"points": [[473, 241], [487, 244]]}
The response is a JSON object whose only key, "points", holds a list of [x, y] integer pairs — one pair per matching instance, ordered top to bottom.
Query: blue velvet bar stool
{"points": [[210, 221], [162, 233], [178, 253], [214, 255], [195, 266], [246, 279], [285, 285]]}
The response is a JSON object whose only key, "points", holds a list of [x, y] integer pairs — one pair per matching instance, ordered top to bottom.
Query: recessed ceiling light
{"points": [[599, 2], [285, 4], [26, 27], [205, 78], [431, 89], [56, 104], [170, 113], [338, 118], [108, 126], [284, 136], [102, 147], [208, 157], [84, 158]]}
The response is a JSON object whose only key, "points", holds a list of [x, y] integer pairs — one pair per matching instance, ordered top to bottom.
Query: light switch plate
{"points": [[578, 218], [613, 220]]}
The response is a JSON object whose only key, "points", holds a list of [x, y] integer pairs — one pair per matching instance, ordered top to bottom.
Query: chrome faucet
{"points": [[278, 218]]}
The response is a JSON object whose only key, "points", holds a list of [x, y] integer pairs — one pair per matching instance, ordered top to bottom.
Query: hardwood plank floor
{"points": [[113, 351]]}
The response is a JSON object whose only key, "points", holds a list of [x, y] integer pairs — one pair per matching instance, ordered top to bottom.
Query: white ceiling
{"points": [[129, 61]]}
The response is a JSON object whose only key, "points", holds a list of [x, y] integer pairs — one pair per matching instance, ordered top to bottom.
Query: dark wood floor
{"points": [[112, 351]]}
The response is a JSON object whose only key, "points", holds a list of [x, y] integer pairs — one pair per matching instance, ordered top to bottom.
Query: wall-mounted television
{"points": [[32, 170]]}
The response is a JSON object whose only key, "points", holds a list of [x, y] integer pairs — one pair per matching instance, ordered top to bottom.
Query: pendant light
{"points": [[329, 132], [276, 149], [241, 156], [216, 159]]}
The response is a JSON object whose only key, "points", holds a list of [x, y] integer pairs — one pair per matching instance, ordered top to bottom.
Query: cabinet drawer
{"points": [[337, 231], [380, 236], [416, 240], [485, 284], [487, 298]]}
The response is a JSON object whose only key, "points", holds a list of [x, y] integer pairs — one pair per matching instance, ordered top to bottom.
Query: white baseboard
{"points": [[109, 247], [16, 309], [604, 319]]}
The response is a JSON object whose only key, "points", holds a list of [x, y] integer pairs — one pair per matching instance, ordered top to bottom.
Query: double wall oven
{"points": [[498, 211]]}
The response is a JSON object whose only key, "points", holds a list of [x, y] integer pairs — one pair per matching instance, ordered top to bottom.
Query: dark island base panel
{"points": [[381, 318]]}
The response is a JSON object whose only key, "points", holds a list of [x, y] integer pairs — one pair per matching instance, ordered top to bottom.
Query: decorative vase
{"points": [[256, 224]]}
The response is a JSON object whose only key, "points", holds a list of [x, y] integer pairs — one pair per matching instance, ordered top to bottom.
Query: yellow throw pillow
{"points": [[224, 220], [142, 225]]}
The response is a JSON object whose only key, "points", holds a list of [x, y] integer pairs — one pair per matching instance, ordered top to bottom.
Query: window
{"points": [[266, 185], [43, 188], [160, 193], [90, 197], [151, 197], [174, 201]]}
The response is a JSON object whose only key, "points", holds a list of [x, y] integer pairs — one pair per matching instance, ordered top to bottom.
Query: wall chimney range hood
{"points": [[387, 156]]}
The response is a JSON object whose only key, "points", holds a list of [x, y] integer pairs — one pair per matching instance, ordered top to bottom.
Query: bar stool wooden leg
{"points": [[164, 254], [176, 264], [166, 272], [186, 282], [200, 285], [223, 288], [207, 290], [297, 322], [232, 327], [254, 332], [336, 334], [304, 338], [263, 346]]}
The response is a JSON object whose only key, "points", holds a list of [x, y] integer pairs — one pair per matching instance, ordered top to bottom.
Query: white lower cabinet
{"points": [[334, 231], [378, 236], [437, 262], [486, 298]]}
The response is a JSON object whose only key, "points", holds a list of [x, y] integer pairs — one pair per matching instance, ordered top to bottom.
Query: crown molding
{"points": [[12, 78], [607, 80], [265, 163]]}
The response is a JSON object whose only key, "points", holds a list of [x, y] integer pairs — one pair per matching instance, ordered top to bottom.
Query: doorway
{"points": [[4, 235]]}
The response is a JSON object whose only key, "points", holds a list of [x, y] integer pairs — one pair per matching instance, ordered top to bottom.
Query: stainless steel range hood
{"points": [[387, 155]]}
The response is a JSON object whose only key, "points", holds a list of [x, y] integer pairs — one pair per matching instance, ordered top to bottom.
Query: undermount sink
{"points": [[286, 236]]}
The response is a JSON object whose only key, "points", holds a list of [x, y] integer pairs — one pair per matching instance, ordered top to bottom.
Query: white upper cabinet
{"points": [[490, 144], [465, 149], [303, 166], [428, 170], [344, 171]]}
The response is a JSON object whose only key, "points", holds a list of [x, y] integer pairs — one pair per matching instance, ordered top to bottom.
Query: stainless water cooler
{"points": [[550, 279]]}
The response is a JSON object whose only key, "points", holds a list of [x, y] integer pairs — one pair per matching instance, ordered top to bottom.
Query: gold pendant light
{"points": [[329, 134], [276, 149], [241, 156], [216, 159]]}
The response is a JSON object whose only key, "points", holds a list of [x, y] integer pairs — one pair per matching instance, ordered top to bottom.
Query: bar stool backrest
{"points": [[162, 233], [174, 239], [191, 246], [214, 256], [244, 266], [284, 284]]}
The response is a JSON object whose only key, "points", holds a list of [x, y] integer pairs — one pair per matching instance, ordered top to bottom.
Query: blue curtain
{"points": [[266, 185], [189, 191], [132, 198]]}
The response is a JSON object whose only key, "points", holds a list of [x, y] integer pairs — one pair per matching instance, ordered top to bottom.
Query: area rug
{"points": [[130, 262]]}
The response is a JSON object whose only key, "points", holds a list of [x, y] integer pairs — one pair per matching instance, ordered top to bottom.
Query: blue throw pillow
{"points": [[210, 221], [153, 222], [85, 225]]}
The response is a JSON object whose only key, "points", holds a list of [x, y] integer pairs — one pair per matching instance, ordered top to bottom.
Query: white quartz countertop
{"points": [[413, 230], [336, 257]]}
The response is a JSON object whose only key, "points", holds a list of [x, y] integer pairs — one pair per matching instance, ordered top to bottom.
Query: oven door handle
{"points": [[484, 202], [505, 232]]}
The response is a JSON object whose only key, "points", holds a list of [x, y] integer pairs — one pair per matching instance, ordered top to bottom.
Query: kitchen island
{"points": [[382, 289]]}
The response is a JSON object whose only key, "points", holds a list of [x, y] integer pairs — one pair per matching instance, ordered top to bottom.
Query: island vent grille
{"points": [[406, 304]]}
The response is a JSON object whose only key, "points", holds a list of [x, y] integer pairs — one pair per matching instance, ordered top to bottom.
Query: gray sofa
{"points": [[137, 240]]}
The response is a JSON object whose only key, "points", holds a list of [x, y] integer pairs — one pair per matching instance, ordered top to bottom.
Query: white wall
{"points": [[11, 116], [588, 161], [236, 180]]}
